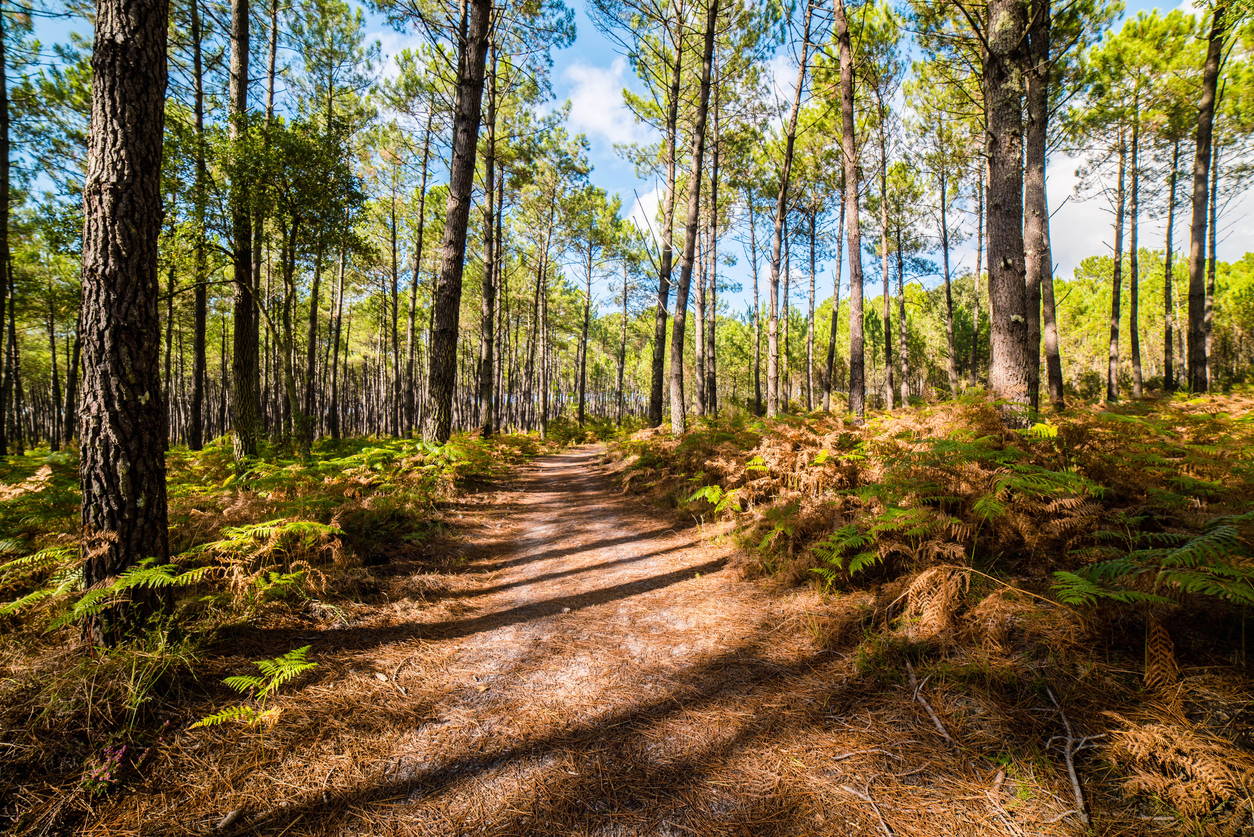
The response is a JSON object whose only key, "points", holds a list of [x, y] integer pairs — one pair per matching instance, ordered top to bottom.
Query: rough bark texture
{"points": [[473, 53], [849, 147], [1201, 175], [690, 232], [1038, 257], [245, 369], [830, 369], [1008, 372], [122, 458]]}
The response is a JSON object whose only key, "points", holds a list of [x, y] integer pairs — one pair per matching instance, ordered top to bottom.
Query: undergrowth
{"points": [[281, 538], [1017, 552]]}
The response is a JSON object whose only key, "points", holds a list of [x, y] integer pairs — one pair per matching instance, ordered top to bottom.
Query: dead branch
{"points": [[914, 684], [1071, 746], [865, 796]]}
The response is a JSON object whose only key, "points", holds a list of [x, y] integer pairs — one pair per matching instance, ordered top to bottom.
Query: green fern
{"points": [[143, 576], [274, 674]]}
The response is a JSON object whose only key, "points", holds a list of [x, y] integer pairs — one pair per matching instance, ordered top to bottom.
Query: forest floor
{"points": [[570, 660]]}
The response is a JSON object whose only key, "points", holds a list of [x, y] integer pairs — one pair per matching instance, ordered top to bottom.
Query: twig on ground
{"points": [[914, 684], [1071, 746], [843, 756], [993, 793], [865, 796], [229, 820]]}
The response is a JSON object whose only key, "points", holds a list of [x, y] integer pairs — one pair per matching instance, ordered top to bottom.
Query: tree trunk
{"points": [[473, 52], [849, 147], [781, 210], [668, 224], [690, 233], [4, 236], [1038, 255], [200, 257], [1133, 278], [975, 284], [949, 294], [757, 308], [487, 311], [810, 312], [1169, 313], [1208, 315], [888, 325], [583, 333], [411, 337], [622, 356], [903, 356], [244, 362], [1112, 371], [1008, 374], [711, 377], [1198, 381], [828, 382], [70, 428], [54, 437], [122, 458]]}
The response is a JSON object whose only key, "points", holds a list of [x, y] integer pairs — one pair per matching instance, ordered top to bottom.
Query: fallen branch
{"points": [[914, 684], [1071, 746], [843, 756], [865, 796]]}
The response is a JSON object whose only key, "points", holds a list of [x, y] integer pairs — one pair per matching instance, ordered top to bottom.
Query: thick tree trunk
{"points": [[473, 53], [849, 147], [781, 210], [200, 256], [1038, 256], [1116, 293], [1169, 311], [1134, 333], [245, 372], [1008, 374], [1198, 380], [656, 401], [678, 419], [122, 458]]}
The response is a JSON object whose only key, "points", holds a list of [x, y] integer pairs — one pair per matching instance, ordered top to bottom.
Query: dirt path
{"points": [[592, 667]]}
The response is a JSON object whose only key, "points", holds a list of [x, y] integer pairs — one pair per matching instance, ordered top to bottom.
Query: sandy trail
{"points": [[593, 666]]}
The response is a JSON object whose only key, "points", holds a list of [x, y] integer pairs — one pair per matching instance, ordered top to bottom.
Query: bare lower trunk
{"points": [[849, 149], [1112, 370]]}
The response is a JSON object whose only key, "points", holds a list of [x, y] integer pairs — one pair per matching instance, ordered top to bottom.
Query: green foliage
{"points": [[1214, 563], [274, 674]]}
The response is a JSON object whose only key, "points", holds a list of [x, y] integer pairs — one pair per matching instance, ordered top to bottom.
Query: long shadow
{"points": [[550, 554], [524, 582], [361, 638], [619, 735]]}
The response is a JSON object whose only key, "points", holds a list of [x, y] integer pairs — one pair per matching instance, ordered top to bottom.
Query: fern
{"points": [[144, 576], [274, 674]]}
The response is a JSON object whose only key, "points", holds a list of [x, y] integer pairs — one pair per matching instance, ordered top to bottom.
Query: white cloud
{"points": [[596, 104], [644, 213]]}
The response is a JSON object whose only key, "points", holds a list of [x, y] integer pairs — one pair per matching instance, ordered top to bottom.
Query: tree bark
{"points": [[472, 56], [849, 148], [668, 223], [980, 226], [1038, 255], [200, 257], [949, 294], [487, 310], [1169, 313], [1208, 315], [888, 325], [1134, 334], [411, 337], [5, 361], [244, 362], [1112, 370], [1008, 374], [1198, 379], [828, 382], [678, 419], [122, 458]]}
